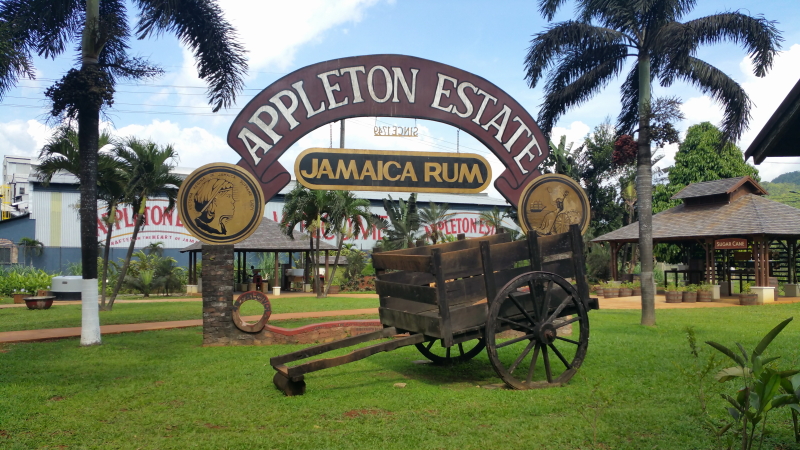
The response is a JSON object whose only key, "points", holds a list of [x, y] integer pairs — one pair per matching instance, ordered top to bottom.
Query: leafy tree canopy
{"points": [[701, 157], [791, 177]]}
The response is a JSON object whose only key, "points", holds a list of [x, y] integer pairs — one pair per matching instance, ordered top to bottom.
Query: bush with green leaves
{"points": [[23, 280], [764, 388]]}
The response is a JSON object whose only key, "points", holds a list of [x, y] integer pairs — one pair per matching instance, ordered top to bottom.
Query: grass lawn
{"points": [[62, 316], [162, 390]]}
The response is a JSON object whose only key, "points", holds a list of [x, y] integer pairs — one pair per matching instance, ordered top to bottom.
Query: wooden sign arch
{"points": [[385, 86]]}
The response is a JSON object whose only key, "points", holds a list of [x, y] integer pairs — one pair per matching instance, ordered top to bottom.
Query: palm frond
{"points": [[200, 25], [43, 26], [628, 119]]}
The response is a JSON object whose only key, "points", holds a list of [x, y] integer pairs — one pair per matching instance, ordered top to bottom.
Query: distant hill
{"points": [[791, 177], [787, 193]]}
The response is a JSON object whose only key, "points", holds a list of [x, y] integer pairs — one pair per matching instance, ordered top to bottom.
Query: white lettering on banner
{"points": [[353, 71], [370, 85], [329, 89]]}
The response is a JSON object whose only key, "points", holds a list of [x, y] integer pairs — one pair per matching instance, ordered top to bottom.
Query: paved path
{"points": [[60, 333]]}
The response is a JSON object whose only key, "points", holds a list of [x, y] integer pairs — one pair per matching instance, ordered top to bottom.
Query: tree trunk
{"points": [[644, 191], [112, 211], [335, 263], [121, 279], [317, 284]]}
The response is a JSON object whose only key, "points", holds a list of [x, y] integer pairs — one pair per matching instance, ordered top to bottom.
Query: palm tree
{"points": [[101, 31], [582, 56], [61, 154], [561, 159], [148, 166], [308, 208], [434, 216], [345, 217], [493, 218], [404, 220], [31, 247], [155, 248]]}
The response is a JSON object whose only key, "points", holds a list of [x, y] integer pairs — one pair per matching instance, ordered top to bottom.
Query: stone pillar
{"points": [[217, 277]]}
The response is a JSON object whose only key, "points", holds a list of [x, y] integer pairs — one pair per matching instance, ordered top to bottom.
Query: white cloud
{"points": [[576, 132], [23, 138], [195, 145]]}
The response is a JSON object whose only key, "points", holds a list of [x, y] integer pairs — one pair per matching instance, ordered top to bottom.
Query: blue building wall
{"points": [[18, 228], [60, 259]]}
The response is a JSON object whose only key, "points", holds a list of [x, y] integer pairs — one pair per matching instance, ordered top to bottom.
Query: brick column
{"points": [[218, 327]]}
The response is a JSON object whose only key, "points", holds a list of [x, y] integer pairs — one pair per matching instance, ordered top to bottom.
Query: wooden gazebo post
{"points": [[614, 250], [277, 281]]}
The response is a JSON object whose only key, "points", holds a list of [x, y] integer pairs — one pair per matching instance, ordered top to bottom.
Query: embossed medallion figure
{"points": [[221, 203], [551, 203]]}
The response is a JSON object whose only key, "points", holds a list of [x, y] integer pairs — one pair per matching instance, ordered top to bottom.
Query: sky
{"points": [[489, 39]]}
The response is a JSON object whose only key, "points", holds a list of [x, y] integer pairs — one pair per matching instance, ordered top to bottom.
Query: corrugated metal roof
{"points": [[747, 215]]}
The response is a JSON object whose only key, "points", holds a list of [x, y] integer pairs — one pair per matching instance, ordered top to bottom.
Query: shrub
{"points": [[23, 279]]}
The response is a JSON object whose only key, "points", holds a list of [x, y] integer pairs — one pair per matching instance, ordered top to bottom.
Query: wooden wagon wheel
{"points": [[552, 331], [463, 351]]}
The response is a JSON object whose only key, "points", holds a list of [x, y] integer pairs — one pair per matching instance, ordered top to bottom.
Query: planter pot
{"points": [[251, 286], [276, 290], [334, 290], [610, 292], [625, 292], [637, 292], [43, 293], [704, 296], [674, 297], [690, 297], [19, 298], [748, 299], [43, 302]]}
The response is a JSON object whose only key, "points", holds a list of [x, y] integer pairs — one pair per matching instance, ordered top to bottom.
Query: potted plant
{"points": [[636, 288], [610, 290], [625, 290], [690, 293], [704, 293], [674, 294], [19, 296], [747, 298], [43, 302]]}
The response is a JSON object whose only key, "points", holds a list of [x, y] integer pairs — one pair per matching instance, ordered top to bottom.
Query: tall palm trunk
{"points": [[644, 189], [112, 211], [335, 264], [121, 279], [317, 284]]}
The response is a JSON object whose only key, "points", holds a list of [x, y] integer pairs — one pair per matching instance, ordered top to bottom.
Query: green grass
{"points": [[64, 316], [162, 390]]}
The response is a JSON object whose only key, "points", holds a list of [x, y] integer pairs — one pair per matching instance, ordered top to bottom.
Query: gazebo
{"points": [[732, 221], [268, 238]]}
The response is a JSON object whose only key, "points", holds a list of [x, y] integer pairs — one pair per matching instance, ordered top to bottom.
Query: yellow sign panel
{"points": [[221, 203], [551, 203]]}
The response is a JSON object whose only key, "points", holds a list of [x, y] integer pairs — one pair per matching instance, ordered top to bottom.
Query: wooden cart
{"points": [[534, 325]]}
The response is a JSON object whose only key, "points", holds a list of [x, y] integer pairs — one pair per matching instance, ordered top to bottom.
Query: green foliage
{"points": [[789, 177], [786, 193], [433, 218], [404, 222], [354, 271], [150, 272], [23, 280], [672, 287], [746, 287], [691, 288], [696, 373], [760, 393]]}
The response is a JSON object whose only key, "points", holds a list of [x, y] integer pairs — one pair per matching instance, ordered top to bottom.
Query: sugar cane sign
{"points": [[385, 86], [373, 170], [221, 203], [551, 203], [730, 244]]}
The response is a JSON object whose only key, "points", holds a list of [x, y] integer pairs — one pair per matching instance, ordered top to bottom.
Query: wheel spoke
{"points": [[531, 289], [546, 302], [560, 308], [521, 309], [503, 319], [567, 322], [515, 340], [568, 340], [430, 344], [460, 349], [447, 353], [522, 356], [560, 356], [546, 360], [533, 363]]}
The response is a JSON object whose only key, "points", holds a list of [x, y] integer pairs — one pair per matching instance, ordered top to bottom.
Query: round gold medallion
{"points": [[221, 203], [551, 203]]}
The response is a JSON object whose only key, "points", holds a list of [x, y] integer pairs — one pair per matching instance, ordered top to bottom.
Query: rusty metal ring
{"points": [[260, 297]]}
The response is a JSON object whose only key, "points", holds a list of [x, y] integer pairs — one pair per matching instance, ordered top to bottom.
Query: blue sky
{"points": [[487, 38]]}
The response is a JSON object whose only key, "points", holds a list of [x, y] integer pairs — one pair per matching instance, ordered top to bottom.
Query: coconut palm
{"points": [[100, 30], [579, 57], [61, 154], [149, 169], [308, 208], [434, 216], [345, 217], [493, 218], [404, 222], [30, 247], [155, 248]]}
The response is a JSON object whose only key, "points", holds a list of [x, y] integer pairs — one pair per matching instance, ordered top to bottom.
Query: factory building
{"points": [[50, 214]]}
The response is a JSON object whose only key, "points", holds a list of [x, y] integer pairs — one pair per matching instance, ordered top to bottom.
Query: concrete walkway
{"points": [[60, 333]]}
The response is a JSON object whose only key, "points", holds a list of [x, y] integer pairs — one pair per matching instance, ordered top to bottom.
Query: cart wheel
{"points": [[460, 352], [546, 354]]}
